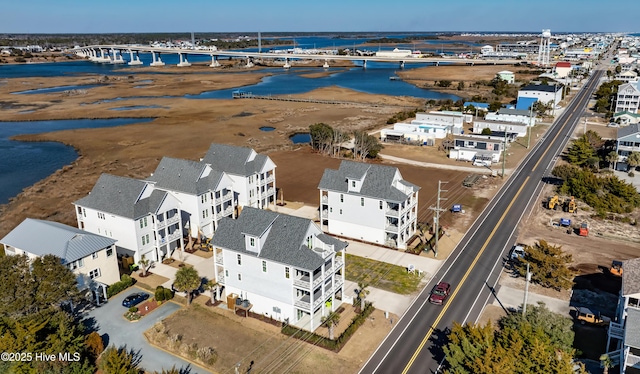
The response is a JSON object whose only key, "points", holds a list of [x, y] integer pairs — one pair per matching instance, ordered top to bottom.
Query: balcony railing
{"points": [[268, 179], [325, 199], [227, 212], [393, 212], [325, 213], [169, 221], [391, 227], [219, 259], [338, 262], [221, 279], [302, 282], [616, 330]]}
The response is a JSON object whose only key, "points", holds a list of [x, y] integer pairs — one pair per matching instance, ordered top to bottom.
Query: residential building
{"points": [[562, 69], [506, 76], [627, 76], [543, 92], [628, 98], [525, 103], [476, 105], [525, 117], [626, 118], [454, 119], [517, 129], [418, 131], [627, 141], [481, 151], [253, 174], [205, 195], [368, 202], [144, 220], [91, 257], [284, 266], [625, 331]]}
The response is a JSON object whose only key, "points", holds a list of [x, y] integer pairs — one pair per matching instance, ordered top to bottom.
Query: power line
{"points": [[436, 218]]}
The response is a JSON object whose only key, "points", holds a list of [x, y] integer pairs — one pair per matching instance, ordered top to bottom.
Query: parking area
{"points": [[109, 322]]}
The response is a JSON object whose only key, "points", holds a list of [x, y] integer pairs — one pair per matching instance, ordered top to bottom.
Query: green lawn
{"points": [[381, 275]]}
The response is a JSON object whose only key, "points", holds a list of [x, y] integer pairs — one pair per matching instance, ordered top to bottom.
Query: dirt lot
{"points": [[237, 339]]}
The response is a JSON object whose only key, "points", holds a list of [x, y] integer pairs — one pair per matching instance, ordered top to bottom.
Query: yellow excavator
{"points": [[554, 202], [570, 205]]}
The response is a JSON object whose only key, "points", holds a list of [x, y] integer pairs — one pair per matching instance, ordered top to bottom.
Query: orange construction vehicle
{"points": [[570, 205], [584, 229], [616, 268]]}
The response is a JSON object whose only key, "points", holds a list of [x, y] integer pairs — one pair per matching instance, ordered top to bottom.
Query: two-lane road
{"points": [[474, 266]]}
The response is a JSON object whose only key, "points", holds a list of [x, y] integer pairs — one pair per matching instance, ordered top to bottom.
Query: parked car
{"points": [[517, 252], [439, 293], [134, 299]]}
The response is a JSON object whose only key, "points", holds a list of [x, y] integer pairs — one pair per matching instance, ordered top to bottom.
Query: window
{"points": [[353, 184], [341, 198], [362, 201], [380, 204], [330, 209], [340, 211], [84, 212], [101, 215], [143, 222], [310, 241], [143, 242], [252, 242], [109, 252], [94, 255], [239, 259], [76, 264], [264, 266], [286, 272], [95, 273], [226, 273], [239, 277]]}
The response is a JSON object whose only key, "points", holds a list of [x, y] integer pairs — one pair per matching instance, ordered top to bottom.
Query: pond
{"points": [[267, 128], [301, 138]]}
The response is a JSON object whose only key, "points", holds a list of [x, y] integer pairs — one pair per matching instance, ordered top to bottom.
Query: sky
{"points": [[130, 16]]}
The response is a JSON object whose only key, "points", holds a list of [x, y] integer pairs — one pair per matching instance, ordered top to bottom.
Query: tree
{"points": [[460, 86], [495, 106], [486, 131], [321, 137], [337, 139], [365, 145], [580, 152], [612, 158], [633, 159], [146, 264], [548, 265], [187, 280], [212, 285], [361, 294], [332, 320], [557, 327], [94, 344], [474, 349], [118, 361], [606, 362]]}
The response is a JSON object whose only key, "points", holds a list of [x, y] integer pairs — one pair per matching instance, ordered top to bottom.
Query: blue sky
{"points": [[99, 16]]}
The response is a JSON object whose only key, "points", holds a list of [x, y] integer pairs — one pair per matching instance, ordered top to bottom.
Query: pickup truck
{"points": [[586, 315]]}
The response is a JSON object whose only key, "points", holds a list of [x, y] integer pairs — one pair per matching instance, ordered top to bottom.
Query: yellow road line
{"points": [[455, 292]]}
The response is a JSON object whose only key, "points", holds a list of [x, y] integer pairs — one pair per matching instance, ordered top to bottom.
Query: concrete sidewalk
{"points": [[513, 298]]}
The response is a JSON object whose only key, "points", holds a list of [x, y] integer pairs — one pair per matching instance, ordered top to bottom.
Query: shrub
{"points": [[486, 131], [125, 282], [160, 293], [168, 294], [133, 309], [94, 344]]}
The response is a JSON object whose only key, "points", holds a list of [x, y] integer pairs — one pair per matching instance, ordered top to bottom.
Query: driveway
{"points": [[109, 322]]}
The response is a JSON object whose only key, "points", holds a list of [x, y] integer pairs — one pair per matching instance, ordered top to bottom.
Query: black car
{"points": [[134, 299]]}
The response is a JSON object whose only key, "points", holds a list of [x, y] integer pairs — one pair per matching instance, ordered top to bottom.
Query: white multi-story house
{"points": [[506, 76], [543, 92], [628, 97], [525, 117], [518, 129], [627, 141], [481, 151], [253, 174], [205, 195], [368, 202], [144, 220], [91, 257], [285, 266], [625, 331]]}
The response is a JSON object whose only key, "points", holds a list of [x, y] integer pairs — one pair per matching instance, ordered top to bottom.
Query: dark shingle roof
{"points": [[542, 87], [514, 112], [628, 130], [234, 160], [186, 176], [377, 184], [121, 196], [41, 238], [285, 242], [631, 277], [632, 328]]}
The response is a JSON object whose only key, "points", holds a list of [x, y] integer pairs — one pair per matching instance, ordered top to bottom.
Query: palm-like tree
{"points": [[611, 158], [633, 159], [144, 262], [187, 280], [212, 285], [362, 293], [331, 321], [606, 362]]}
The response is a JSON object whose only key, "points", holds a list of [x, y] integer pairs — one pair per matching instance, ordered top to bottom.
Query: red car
{"points": [[439, 293]]}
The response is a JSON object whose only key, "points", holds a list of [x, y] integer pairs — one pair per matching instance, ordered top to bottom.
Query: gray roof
{"points": [[542, 87], [513, 112], [628, 130], [234, 160], [175, 174], [377, 184], [120, 196], [41, 238], [284, 244], [631, 277], [632, 328]]}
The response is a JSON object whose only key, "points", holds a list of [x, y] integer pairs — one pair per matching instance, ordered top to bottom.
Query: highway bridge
{"points": [[114, 54], [473, 268]]}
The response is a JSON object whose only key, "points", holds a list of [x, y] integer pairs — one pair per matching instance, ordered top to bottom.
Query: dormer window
{"points": [[353, 184], [252, 242]]}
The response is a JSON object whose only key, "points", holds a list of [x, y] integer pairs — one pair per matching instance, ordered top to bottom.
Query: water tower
{"points": [[545, 48]]}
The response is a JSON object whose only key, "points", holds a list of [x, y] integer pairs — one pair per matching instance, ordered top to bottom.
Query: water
{"points": [[55, 89], [136, 107], [267, 128], [301, 138], [25, 163]]}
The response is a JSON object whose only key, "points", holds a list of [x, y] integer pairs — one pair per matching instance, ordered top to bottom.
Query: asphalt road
{"points": [[473, 269]]}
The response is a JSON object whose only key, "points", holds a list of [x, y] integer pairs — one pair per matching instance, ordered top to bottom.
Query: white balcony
{"points": [[268, 179], [270, 191], [325, 199], [228, 212], [392, 212], [325, 214], [391, 227], [219, 259], [338, 262], [221, 278], [302, 282]]}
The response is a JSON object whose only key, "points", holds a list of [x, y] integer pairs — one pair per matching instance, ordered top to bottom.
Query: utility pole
{"points": [[529, 126], [504, 150], [436, 217], [526, 292]]}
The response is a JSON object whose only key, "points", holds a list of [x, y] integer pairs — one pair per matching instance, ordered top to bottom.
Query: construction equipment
{"points": [[554, 202], [570, 205], [456, 208], [565, 222], [584, 229], [616, 268], [585, 315]]}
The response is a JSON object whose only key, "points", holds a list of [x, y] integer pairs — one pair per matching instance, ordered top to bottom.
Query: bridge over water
{"points": [[114, 54]]}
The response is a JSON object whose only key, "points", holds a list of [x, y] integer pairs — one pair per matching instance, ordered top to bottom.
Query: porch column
{"points": [[104, 291], [96, 296], [311, 300]]}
